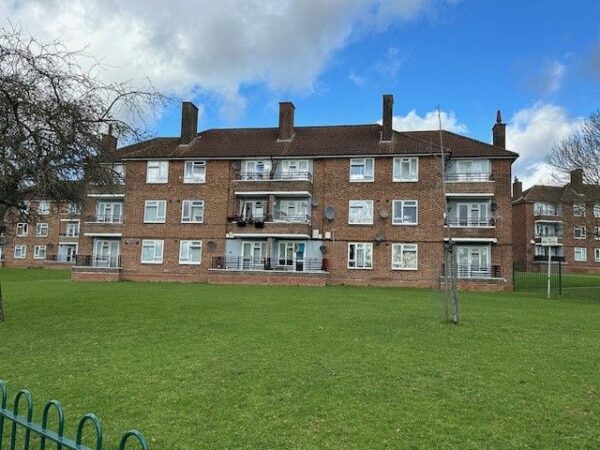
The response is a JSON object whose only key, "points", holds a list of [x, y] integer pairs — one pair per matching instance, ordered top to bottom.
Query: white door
{"points": [[67, 252], [106, 253], [253, 253], [473, 261]]}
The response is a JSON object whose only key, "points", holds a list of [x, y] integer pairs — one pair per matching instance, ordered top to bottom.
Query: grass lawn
{"points": [[201, 366]]}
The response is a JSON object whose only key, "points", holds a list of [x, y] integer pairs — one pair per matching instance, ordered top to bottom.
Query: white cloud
{"points": [[202, 45], [392, 62], [549, 78], [357, 79], [413, 122], [532, 132]]}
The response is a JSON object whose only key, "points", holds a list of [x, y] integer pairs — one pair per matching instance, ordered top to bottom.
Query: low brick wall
{"points": [[90, 274], [275, 278], [493, 285]]}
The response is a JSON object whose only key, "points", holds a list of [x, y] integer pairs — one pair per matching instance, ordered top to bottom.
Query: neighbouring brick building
{"points": [[356, 204], [568, 213], [46, 236]]}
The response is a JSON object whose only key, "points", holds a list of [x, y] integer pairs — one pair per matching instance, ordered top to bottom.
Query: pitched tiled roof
{"points": [[324, 141], [559, 194]]}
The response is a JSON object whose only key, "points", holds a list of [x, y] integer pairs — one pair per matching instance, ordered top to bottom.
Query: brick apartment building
{"points": [[303, 205], [571, 213], [47, 237]]}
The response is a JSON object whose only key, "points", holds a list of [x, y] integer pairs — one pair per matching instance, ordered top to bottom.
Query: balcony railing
{"points": [[281, 176], [469, 177], [548, 212], [105, 218], [293, 218], [259, 221], [471, 223], [68, 235], [541, 235], [554, 258], [64, 259], [108, 262], [238, 263], [474, 271]]}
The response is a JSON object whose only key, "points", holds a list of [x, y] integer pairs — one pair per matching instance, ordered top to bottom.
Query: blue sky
{"points": [[539, 62]]}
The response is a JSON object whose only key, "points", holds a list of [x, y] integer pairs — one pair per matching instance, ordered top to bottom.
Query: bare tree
{"points": [[52, 113], [580, 151]]}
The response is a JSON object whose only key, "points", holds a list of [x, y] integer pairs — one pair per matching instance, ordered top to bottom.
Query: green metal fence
{"points": [[564, 284], [20, 427]]}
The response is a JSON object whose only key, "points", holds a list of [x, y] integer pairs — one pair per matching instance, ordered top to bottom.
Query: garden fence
{"points": [[564, 283], [20, 427]]}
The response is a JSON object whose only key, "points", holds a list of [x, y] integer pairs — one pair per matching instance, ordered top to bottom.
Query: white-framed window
{"points": [[256, 169], [295, 169], [362, 169], [406, 169], [470, 170], [157, 172], [194, 172], [119, 173], [43, 208], [73, 208], [253, 209], [546, 209], [579, 209], [292, 210], [597, 210], [155, 211], [192, 211], [109, 212], [360, 212], [405, 212], [22, 229], [41, 229], [72, 229], [580, 232], [597, 233], [20, 251], [152, 251], [39, 252], [190, 252], [580, 253], [597, 254], [360, 255], [404, 256]]}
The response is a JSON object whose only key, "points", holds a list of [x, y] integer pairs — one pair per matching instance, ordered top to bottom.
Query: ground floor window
{"points": [[20, 251], [152, 251], [39, 252], [190, 252], [580, 254], [597, 254], [360, 255], [404, 256]]}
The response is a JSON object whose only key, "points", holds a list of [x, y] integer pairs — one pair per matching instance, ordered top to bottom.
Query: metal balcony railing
{"points": [[281, 176], [469, 176], [548, 212], [105, 218], [292, 218], [260, 220], [472, 223], [541, 235], [554, 258], [61, 259], [109, 262], [240, 263], [475, 271]]}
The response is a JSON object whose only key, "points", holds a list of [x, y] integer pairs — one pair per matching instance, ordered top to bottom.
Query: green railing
{"points": [[27, 426]]}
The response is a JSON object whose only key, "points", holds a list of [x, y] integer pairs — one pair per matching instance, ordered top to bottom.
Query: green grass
{"points": [[202, 366]]}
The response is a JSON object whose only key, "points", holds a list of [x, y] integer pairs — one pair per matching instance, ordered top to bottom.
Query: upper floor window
{"points": [[256, 169], [295, 169], [362, 169], [406, 169], [468, 170], [157, 172], [194, 172], [119, 173], [43, 207], [72, 208], [253, 209], [546, 209], [579, 209], [292, 210], [596, 210], [155, 211], [192, 211], [109, 212], [360, 212], [405, 212], [469, 214], [22, 229], [41, 229], [72, 229], [546, 229], [580, 233], [20, 251], [152, 251], [360, 255], [404, 256]]}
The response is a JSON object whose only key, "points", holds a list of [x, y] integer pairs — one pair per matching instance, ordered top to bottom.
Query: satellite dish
{"points": [[315, 202], [330, 213], [384, 214], [379, 237], [211, 246], [323, 249]]}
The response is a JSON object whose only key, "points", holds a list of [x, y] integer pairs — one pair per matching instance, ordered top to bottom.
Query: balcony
{"points": [[277, 176], [469, 177], [273, 182], [548, 212], [105, 218], [482, 222], [544, 258], [61, 259], [98, 261], [250, 264], [468, 271]]}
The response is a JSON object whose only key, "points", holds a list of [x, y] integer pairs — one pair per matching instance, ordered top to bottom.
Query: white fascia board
{"points": [[277, 193], [469, 194], [107, 195], [104, 234], [268, 235], [468, 239]]}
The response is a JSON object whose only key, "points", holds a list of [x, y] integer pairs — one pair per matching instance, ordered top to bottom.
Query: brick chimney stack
{"points": [[388, 112], [286, 121], [189, 122], [499, 131], [108, 141], [576, 178], [517, 188]]}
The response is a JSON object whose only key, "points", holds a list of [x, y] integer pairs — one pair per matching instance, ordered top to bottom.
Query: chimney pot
{"points": [[388, 111], [286, 121], [189, 122], [499, 131], [517, 188]]}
